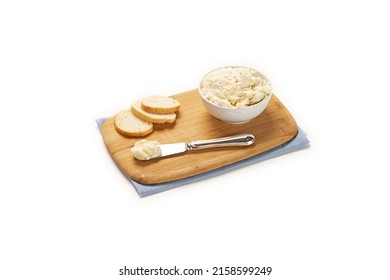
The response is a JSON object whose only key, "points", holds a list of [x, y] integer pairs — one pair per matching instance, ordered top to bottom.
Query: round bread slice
{"points": [[160, 104], [152, 117], [126, 123]]}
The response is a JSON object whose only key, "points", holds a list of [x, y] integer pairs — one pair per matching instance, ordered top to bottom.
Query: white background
{"points": [[68, 213]]}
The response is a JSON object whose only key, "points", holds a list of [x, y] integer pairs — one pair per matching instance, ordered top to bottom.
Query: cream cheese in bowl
{"points": [[235, 94]]}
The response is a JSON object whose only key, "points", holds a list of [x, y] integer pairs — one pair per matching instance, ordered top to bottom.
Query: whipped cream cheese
{"points": [[234, 87], [145, 150]]}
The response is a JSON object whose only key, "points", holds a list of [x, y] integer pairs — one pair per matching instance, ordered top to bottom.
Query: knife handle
{"points": [[235, 140]]}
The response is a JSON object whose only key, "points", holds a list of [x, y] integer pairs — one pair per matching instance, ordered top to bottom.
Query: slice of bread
{"points": [[160, 104], [152, 117], [126, 123]]}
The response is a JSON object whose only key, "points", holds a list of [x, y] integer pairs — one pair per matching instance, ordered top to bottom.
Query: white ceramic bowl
{"points": [[236, 115]]}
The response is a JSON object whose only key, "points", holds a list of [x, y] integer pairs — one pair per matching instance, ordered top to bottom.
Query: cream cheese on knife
{"points": [[145, 150]]}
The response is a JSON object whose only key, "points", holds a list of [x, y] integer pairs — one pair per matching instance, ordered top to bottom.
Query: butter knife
{"points": [[230, 141]]}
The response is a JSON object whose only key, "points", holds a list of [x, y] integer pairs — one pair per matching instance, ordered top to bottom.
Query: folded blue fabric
{"points": [[299, 142]]}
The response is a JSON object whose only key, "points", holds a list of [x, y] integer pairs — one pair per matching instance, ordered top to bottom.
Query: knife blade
{"points": [[171, 149]]}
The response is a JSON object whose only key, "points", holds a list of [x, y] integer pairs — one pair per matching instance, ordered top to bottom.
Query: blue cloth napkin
{"points": [[299, 142]]}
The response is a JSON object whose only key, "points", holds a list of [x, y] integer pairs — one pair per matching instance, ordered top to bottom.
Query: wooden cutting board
{"points": [[275, 126]]}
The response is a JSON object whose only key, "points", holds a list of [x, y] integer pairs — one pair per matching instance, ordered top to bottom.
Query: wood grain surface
{"points": [[274, 127]]}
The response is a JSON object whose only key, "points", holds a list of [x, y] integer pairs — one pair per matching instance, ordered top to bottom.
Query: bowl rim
{"points": [[234, 108]]}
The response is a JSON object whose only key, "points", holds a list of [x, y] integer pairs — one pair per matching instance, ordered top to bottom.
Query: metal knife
{"points": [[230, 141]]}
